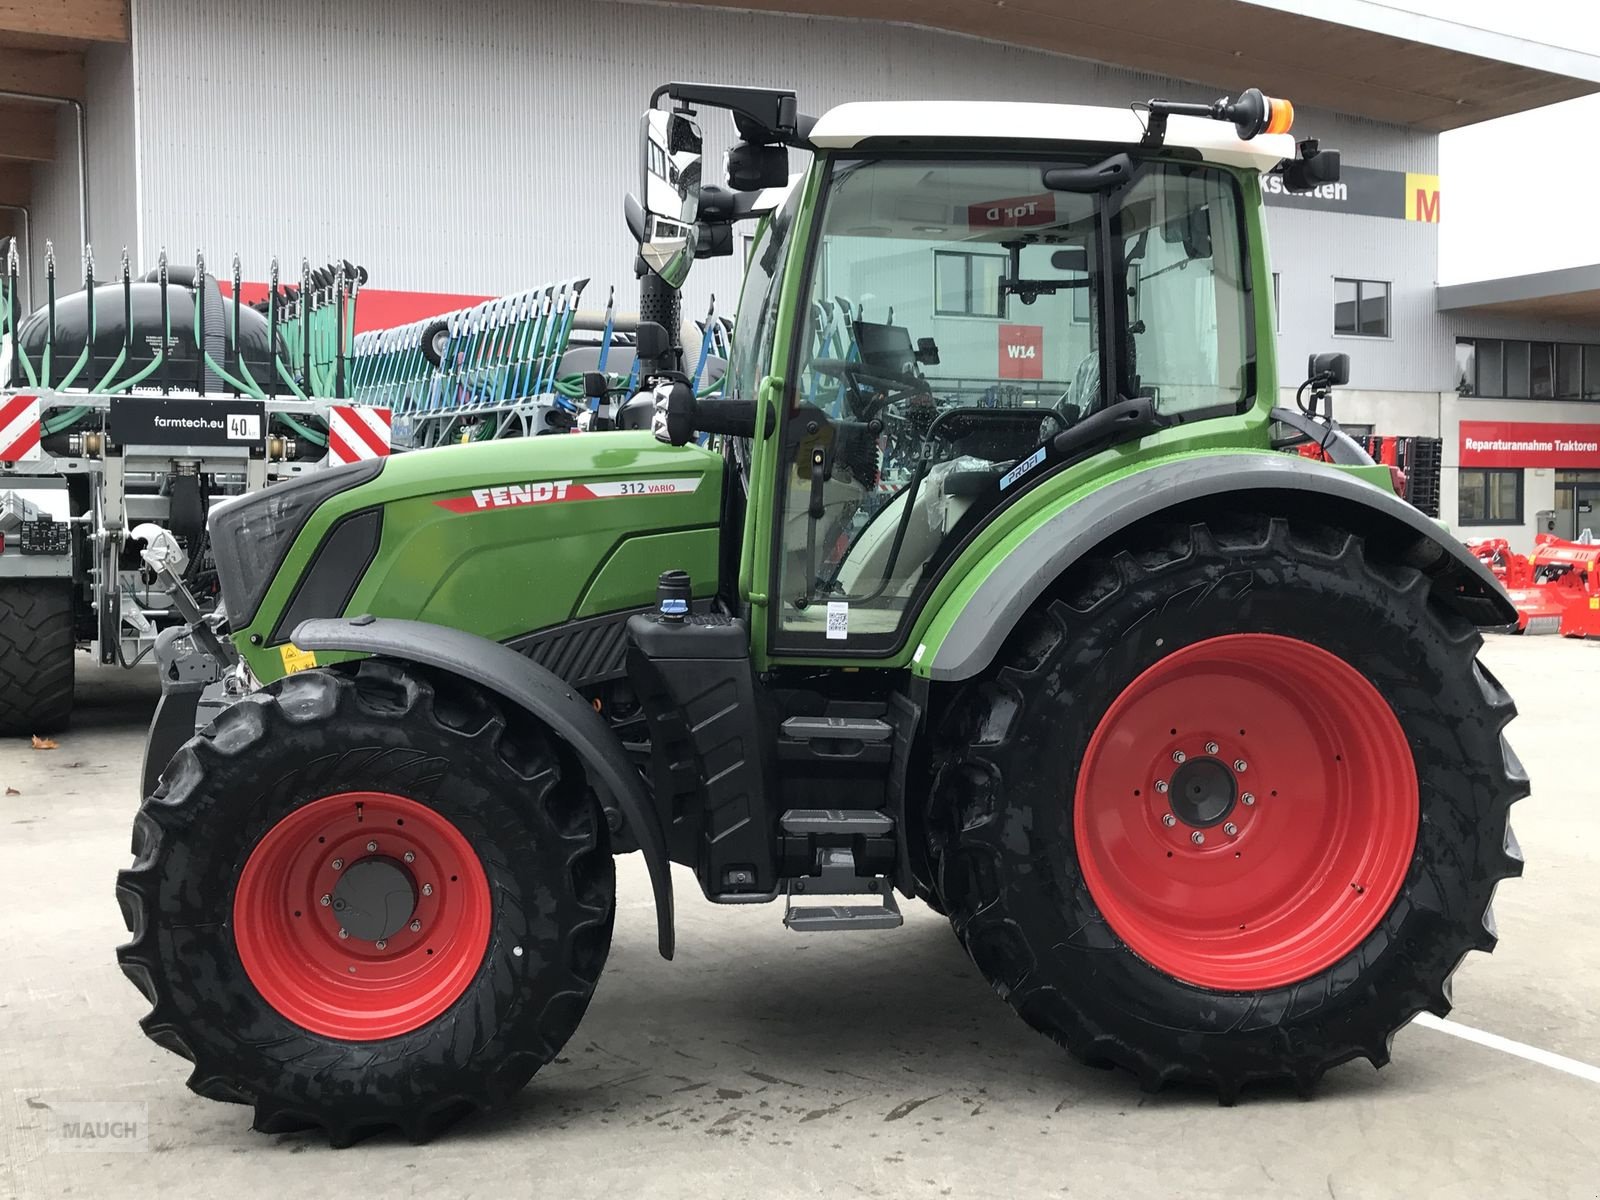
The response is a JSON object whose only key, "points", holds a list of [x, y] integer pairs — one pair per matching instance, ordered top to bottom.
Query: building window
{"points": [[968, 285], [1081, 296], [1361, 308], [1517, 358], [1466, 368], [1517, 370], [1542, 370], [1569, 372], [1490, 497]]}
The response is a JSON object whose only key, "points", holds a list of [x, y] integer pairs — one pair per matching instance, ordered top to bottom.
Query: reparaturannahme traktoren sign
{"points": [[1365, 192]]}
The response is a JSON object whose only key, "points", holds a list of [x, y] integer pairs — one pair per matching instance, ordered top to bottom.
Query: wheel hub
{"points": [[1202, 792], [1246, 811], [374, 899], [362, 915]]}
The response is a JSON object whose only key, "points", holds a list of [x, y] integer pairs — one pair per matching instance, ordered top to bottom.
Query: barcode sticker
{"points": [[838, 620]]}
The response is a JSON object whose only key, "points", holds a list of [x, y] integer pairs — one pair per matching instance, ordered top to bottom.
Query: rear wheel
{"points": [[36, 649], [1230, 807], [417, 896]]}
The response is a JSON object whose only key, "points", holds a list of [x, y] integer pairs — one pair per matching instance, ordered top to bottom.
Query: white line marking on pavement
{"points": [[1494, 1041]]}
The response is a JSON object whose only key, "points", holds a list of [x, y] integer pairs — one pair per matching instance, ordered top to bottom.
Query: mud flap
{"points": [[186, 672]]}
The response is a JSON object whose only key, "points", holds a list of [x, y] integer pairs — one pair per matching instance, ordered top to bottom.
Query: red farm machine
{"points": [[1556, 589]]}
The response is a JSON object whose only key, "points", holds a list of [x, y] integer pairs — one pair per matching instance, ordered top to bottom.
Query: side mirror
{"points": [[752, 168], [1312, 168], [663, 217], [713, 240], [650, 342], [1332, 370]]}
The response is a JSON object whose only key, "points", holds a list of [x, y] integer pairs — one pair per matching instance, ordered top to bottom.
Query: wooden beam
{"points": [[79, 20], [41, 72], [27, 131]]}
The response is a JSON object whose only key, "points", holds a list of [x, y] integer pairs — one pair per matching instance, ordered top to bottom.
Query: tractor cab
{"points": [[940, 318]]}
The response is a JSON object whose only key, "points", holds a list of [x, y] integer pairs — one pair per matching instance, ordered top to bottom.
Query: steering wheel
{"points": [[869, 391]]}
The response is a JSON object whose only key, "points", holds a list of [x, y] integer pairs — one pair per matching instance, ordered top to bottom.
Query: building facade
{"points": [[481, 148]]}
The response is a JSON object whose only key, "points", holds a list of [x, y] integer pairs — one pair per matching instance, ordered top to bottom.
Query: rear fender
{"points": [[1278, 483], [533, 688]]}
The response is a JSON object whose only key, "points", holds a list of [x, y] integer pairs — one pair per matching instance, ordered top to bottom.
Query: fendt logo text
{"points": [[512, 494]]}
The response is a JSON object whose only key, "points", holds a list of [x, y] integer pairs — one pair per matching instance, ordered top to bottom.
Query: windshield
{"points": [[957, 319]]}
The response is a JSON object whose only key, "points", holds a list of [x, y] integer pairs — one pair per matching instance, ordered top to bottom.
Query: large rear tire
{"points": [[36, 649], [1230, 807], [367, 899]]}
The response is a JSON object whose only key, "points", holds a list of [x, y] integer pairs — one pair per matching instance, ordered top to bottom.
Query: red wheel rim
{"points": [[1298, 867], [291, 905]]}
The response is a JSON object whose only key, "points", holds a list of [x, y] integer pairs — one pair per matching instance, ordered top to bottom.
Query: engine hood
{"points": [[499, 538]]}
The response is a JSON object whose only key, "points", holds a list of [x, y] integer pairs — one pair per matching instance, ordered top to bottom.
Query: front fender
{"points": [[1013, 578], [537, 690]]}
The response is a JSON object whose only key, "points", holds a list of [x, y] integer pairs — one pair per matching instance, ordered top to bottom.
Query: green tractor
{"points": [[985, 582]]}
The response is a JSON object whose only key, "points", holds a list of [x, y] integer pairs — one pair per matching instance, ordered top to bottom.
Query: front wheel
{"points": [[1230, 807], [367, 899]]}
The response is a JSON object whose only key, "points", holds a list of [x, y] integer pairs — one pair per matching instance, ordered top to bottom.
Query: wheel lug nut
{"points": [[1211, 747], [1178, 756], [1240, 765], [1161, 785], [1247, 799], [1168, 820], [1230, 829], [1198, 838], [372, 847], [410, 857], [337, 864], [427, 889], [326, 900], [416, 927], [343, 933], [381, 944]]}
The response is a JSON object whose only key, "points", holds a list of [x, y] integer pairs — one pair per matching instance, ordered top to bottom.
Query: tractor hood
{"points": [[502, 539]]}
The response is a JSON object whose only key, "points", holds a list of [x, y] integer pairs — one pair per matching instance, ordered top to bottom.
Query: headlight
{"points": [[251, 535]]}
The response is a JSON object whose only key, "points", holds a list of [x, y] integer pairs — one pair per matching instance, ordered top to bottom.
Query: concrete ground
{"points": [[763, 1063]]}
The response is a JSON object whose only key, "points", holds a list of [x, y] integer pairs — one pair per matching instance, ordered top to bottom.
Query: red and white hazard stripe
{"points": [[19, 429], [357, 432]]}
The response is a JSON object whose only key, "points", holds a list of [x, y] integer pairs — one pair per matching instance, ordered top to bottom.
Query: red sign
{"points": [[1017, 212], [376, 308], [1022, 352], [1529, 444]]}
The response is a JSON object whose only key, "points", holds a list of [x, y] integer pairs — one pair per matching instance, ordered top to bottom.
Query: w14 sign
{"points": [[1021, 352]]}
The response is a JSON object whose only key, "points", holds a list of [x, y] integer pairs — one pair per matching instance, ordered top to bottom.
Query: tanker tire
{"points": [[433, 349], [36, 656], [517, 797], [1001, 838]]}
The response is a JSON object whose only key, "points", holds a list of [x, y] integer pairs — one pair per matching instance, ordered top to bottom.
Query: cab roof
{"points": [[933, 121]]}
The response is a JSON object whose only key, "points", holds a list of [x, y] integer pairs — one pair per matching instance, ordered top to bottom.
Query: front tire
{"points": [[1090, 833], [366, 899]]}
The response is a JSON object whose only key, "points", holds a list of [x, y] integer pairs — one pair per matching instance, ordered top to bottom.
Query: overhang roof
{"points": [[1351, 56], [1570, 294]]}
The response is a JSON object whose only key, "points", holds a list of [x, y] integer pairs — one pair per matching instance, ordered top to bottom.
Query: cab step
{"points": [[824, 849], [839, 918]]}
